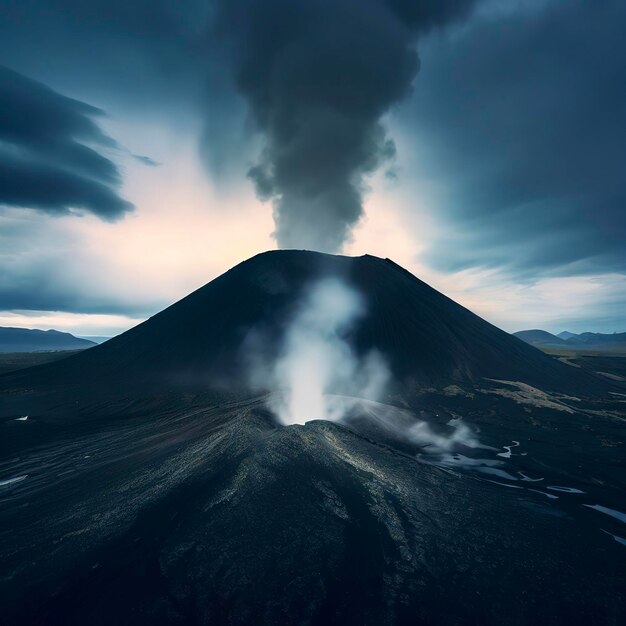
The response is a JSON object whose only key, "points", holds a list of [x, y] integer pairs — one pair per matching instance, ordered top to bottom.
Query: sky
{"points": [[147, 147]]}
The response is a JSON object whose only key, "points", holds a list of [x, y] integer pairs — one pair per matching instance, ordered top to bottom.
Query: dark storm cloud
{"points": [[135, 44], [145, 57], [139, 59], [317, 76], [518, 113], [522, 119], [45, 162], [41, 288]]}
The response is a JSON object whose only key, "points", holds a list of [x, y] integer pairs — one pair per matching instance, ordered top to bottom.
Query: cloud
{"points": [[145, 59], [317, 77], [313, 79], [517, 111], [519, 125], [508, 156], [46, 159], [146, 160], [48, 267], [133, 267], [583, 302], [77, 324]]}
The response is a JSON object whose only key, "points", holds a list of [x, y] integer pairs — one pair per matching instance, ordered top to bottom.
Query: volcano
{"points": [[427, 338], [145, 481]]}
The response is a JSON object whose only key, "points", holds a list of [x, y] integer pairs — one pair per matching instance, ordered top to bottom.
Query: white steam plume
{"points": [[317, 364], [317, 374], [404, 424]]}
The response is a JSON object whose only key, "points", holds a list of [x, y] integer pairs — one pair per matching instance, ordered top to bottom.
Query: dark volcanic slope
{"points": [[426, 337], [33, 340], [217, 516]]}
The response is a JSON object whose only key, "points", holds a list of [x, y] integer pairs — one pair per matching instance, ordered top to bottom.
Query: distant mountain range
{"points": [[95, 338], [32, 340], [615, 342]]}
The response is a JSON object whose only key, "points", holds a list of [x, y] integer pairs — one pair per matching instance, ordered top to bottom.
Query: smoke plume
{"points": [[318, 75]]}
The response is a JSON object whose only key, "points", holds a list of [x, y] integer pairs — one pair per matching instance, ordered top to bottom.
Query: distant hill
{"points": [[538, 337], [95, 338], [32, 340], [600, 341], [590, 342], [13, 361]]}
